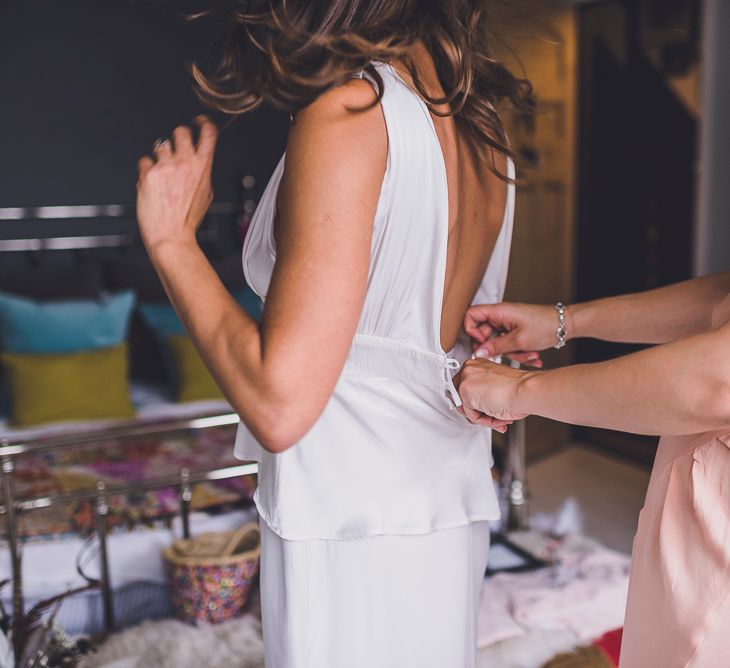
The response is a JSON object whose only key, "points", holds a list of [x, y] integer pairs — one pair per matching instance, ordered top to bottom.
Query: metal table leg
{"points": [[515, 476], [186, 496], [101, 511], [11, 523]]}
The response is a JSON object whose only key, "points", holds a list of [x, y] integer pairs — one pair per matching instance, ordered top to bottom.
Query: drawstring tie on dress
{"points": [[455, 365]]}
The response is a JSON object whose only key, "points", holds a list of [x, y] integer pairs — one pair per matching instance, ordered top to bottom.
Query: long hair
{"points": [[288, 52]]}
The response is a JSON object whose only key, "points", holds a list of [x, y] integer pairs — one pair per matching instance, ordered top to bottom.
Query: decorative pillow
{"points": [[134, 271], [58, 275], [163, 320], [27, 326], [194, 381], [87, 385]]}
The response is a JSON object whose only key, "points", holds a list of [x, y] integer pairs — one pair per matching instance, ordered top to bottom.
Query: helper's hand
{"points": [[174, 188], [517, 331], [490, 391]]}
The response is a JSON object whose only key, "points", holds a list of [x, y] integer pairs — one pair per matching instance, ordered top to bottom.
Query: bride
{"points": [[390, 213]]}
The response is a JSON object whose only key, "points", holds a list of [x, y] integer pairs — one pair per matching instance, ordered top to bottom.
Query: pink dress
{"points": [[678, 612]]}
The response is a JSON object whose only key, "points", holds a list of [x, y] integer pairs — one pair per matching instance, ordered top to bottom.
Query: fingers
{"points": [[208, 136], [183, 139], [162, 149], [143, 166], [480, 321], [499, 345], [529, 359], [469, 413], [475, 417], [489, 422]]}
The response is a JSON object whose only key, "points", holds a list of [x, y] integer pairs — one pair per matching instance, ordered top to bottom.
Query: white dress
{"points": [[374, 524]]}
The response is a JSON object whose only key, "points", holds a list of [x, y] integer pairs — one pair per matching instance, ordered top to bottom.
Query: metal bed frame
{"points": [[13, 448], [514, 478], [514, 488], [12, 507]]}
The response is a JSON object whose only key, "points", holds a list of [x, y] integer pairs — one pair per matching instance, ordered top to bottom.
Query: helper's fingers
{"points": [[477, 317], [500, 345], [529, 359], [470, 414], [477, 417], [498, 425]]}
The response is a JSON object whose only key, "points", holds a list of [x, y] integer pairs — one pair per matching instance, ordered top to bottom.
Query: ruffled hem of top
{"points": [[372, 532]]}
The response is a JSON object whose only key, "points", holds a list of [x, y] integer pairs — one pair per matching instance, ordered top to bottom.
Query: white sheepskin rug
{"points": [[174, 644], [238, 644], [531, 650]]}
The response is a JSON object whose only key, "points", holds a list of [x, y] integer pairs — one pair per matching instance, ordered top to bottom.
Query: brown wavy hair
{"points": [[288, 52]]}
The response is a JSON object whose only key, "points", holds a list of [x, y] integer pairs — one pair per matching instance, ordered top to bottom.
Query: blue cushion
{"points": [[250, 301], [163, 320], [27, 326]]}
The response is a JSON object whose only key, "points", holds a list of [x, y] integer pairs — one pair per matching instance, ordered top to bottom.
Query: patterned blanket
{"points": [[118, 461]]}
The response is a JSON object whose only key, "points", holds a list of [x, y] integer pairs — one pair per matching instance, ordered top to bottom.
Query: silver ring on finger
{"points": [[159, 143]]}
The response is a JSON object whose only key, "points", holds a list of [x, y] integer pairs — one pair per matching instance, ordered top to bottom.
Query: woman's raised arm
{"points": [[278, 375]]}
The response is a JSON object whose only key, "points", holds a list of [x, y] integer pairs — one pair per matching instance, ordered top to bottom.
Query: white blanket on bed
{"points": [[150, 403], [49, 567]]}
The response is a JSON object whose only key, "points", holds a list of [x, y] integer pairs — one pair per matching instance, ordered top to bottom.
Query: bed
{"points": [[56, 471], [63, 483], [111, 492]]}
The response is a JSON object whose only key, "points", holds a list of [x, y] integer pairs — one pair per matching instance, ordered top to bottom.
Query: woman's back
{"points": [[476, 199], [389, 454]]}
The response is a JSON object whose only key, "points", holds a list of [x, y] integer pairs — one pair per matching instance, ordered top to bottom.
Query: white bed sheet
{"points": [[150, 402], [49, 567]]}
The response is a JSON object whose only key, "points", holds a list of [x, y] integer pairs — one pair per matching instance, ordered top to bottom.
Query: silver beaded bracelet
{"points": [[561, 332]]}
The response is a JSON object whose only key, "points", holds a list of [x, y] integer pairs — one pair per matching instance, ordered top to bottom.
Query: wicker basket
{"points": [[211, 575]]}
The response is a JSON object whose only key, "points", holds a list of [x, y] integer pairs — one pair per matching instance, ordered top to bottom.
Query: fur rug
{"points": [[174, 644], [238, 644], [531, 650]]}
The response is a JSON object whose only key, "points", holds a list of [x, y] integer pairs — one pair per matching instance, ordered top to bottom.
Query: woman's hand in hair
{"points": [[174, 187]]}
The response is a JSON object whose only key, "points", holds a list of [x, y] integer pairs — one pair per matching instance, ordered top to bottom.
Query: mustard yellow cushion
{"points": [[194, 381], [86, 385]]}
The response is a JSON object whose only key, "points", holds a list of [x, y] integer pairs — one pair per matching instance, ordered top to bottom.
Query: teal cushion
{"points": [[250, 302], [163, 320], [28, 326]]}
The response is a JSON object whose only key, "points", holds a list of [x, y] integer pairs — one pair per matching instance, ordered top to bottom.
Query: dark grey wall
{"points": [[86, 87]]}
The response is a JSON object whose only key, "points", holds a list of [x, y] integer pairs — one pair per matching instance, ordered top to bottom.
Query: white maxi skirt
{"points": [[391, 601]]}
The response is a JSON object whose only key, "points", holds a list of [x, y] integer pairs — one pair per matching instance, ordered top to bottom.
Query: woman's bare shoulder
{"points": [[351, 108], [340, 137]]}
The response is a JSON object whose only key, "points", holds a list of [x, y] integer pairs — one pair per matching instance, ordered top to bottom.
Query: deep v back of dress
{"points": [[389, 454]]}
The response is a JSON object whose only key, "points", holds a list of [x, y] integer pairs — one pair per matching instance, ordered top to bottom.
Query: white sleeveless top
{"points": [[389, 454]]}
